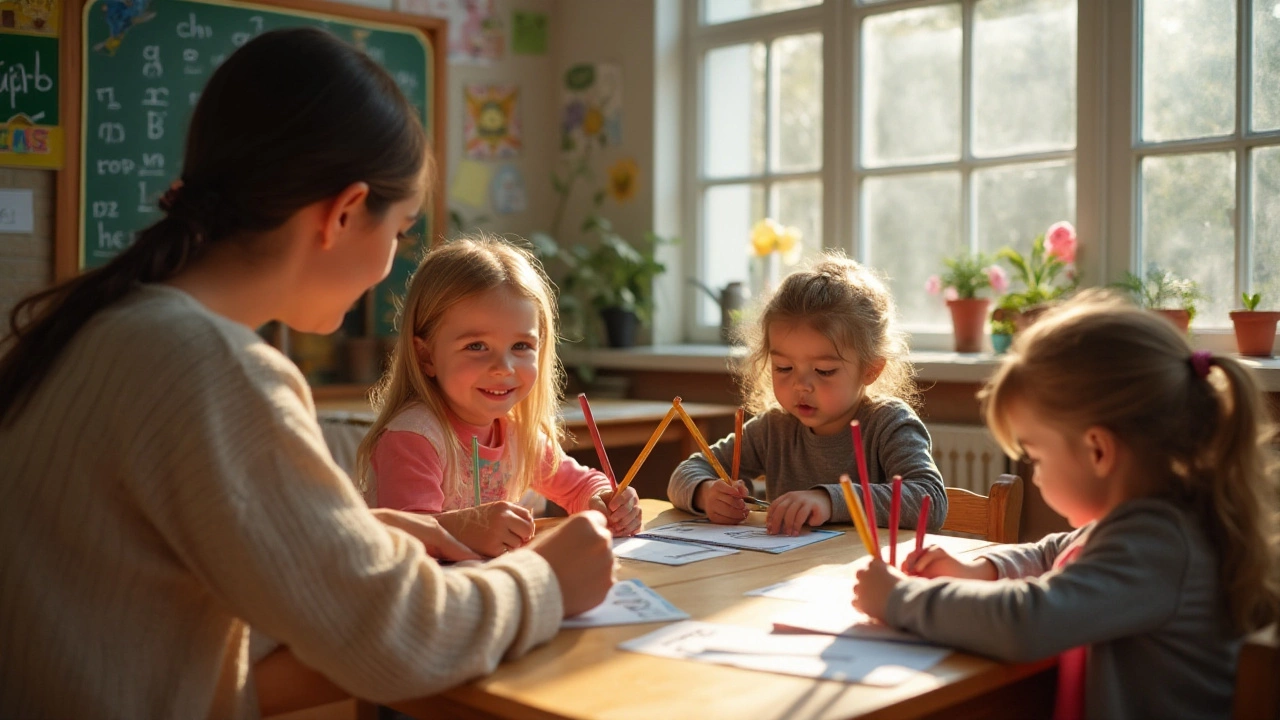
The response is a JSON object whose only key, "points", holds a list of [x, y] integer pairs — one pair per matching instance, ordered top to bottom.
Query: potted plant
{"points": [[1046, 275], [965, 276], [1165, 293], [1002, 327], [1255, 329]]}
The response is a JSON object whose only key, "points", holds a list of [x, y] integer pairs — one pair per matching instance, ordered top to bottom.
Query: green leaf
{"points": [[1251, 301]]}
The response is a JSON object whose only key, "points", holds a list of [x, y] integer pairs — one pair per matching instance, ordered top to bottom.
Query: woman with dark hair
{"points": [[165, 485]]}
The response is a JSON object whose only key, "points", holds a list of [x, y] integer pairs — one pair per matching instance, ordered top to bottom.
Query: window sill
{"points": [[931, 366]]}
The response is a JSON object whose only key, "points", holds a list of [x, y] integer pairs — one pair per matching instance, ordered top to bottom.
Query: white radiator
{"points": [[967, 456]]}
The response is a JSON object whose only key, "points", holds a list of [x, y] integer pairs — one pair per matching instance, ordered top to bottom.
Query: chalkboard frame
{"points": [[70, 205]]}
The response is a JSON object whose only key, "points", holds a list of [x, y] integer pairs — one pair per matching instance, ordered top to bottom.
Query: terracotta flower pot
{"points": [[1180, 318], [968, 320], [1255, 331]]}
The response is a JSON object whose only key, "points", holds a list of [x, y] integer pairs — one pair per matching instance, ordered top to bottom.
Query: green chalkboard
{"points": [[145, 63], [29, 77]]}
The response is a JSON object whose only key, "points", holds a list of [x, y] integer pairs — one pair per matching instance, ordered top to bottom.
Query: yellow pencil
{"points": [[702, 442], [644, 454], [855, 511]]}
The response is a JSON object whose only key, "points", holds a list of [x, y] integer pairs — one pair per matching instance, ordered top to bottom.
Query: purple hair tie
{"points": [[1201, 361]]}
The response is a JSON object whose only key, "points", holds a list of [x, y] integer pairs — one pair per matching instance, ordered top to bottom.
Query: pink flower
{"points": [[1060, 241], [997, 277], [933, 285], [951, 294]]}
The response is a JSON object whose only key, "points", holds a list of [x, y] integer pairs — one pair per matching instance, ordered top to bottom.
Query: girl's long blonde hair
{"points": [[449, 273], [847, 303], [1099, 361]]}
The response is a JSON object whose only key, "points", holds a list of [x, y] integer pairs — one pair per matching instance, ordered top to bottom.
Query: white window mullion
{"points": [[968, 216]]}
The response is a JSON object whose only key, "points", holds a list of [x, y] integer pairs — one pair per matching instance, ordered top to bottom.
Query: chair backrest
{"points": [[343, 432], [994, 517], [1258, 678]]}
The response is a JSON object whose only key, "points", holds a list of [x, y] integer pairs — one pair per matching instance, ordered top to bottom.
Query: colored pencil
{"points": [[595, 438], [701, 441], [737, 444], [648, 447], [475, 466], [868, 500], [895, 508], [855, 512], [922, 523]]}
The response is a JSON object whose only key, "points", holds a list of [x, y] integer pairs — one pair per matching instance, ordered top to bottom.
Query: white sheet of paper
{"points": [[746, 537], [666, 552], [809, 588], [629, 602], [842, 620], [826, 657]]}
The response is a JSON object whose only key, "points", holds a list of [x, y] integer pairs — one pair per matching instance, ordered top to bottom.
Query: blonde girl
{"points": [[826, 351], [476, 359], [1160, 457]]}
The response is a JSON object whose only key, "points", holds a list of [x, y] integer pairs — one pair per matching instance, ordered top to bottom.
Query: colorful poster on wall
{"points": [[476, 34], [592, 109], [491, 125], [29, 131], [470, 184]]}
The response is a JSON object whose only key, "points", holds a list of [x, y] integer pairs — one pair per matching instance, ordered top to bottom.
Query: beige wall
{"points": [[26, 259]]}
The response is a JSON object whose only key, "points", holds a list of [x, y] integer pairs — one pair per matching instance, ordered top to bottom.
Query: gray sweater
{"points": [[791, 457], [1143, 594]]}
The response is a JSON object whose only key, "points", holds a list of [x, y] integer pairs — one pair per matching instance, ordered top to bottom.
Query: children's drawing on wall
{"points": [[122, 15], [30, 16], [475, 33], [528, 33], [592, 112], [491, 126], [624, 177], [470, 184], [507, 193]]}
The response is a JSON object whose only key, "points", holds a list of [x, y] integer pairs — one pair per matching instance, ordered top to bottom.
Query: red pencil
{"points": [[595, 438], [737, 444], [867, 500], [895, 507], [922, 523]]}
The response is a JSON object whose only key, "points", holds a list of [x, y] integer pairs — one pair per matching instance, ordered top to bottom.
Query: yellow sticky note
{"points": [[471, 184]]}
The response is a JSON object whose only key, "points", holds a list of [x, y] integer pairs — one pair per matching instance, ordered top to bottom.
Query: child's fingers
{"points": [[921, 562]]}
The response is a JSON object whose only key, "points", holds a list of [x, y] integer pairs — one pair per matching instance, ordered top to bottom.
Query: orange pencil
{"points": [[595, 438], [701, 441], [648, 447]]}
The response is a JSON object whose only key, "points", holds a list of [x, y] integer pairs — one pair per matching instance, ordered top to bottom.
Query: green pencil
{"points": [[475, 466]]}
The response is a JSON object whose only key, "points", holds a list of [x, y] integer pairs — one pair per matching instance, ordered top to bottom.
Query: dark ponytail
{"points": [[291, 118]]}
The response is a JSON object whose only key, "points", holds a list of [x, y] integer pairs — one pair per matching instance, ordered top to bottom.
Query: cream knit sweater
{"points": [[166, 488]]}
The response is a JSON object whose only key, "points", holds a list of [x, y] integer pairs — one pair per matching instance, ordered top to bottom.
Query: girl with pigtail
{"points": [[1160, 457]]}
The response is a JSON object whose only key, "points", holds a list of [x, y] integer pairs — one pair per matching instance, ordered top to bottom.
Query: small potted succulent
{"points": [[966, 276], [1165, 293], [1002, 327], [1255, 329]]}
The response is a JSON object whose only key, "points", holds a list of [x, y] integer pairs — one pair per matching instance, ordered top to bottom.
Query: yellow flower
{"points": [[593, 122], [623, 177], [764, 236]]}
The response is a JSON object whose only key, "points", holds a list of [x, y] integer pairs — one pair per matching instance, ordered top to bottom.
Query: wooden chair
{"points": [[994, 517], [1258, 678]]}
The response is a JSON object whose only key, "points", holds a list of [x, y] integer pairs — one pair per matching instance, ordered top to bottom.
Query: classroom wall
{"points": [[26, 259]]}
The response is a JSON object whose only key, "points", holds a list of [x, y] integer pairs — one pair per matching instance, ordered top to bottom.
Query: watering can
{"points": [[730, 298]]}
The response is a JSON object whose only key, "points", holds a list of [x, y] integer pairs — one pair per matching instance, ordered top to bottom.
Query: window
{"points": [[932, 126]]}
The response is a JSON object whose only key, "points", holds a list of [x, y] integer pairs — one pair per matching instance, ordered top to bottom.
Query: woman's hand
{"points": [[621, 509], [792, 511], [490, 529], [440, 544], [580, 553]]}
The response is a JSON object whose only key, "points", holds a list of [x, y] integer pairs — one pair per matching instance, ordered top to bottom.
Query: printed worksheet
{"points": [[745, 537], [666, 552], [629, 602], [841, 620], [817, 656]]}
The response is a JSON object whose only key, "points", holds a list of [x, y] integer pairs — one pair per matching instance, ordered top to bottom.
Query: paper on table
{"points": [[746, 537], [666, 552], [809, 588], [629, 602], [840, 620], [830, 658]]}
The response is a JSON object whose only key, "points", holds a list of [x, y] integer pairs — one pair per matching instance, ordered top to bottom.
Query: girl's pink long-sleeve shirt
{"points": [[410, 473]]}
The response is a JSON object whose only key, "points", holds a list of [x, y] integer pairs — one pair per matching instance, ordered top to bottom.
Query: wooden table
{"points": [[621, 422], [582, 674]]}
